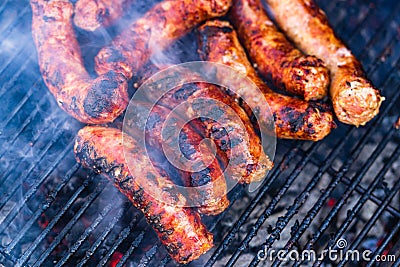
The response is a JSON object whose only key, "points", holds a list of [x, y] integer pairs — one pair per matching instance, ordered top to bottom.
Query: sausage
{"points": [[91, 15], [155, 31], [274, 56], [89, 100], [355, 100], [294, 118], [186, 145], [246, 157], [179, 229]]}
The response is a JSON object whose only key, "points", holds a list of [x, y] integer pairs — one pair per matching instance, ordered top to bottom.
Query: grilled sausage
{"points": [[91, 15], [156, 30], [275, 57], [355, 100], [90, 101], [294, 118], [186, 145], [246, 157], [179, 229]]}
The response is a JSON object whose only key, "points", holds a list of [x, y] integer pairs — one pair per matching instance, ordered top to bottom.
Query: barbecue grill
{"points": [[344, 188]]}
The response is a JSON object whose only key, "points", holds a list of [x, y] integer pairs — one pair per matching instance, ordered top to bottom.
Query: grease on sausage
{"points": [[275, 57], [355, 100], [294, 118], [179, 229]]}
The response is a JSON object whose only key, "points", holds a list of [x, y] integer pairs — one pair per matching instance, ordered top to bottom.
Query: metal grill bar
{"points": [[343, 24], [12, 25], [23, 50], [13, 79], [17, 109], [20, 130], [34, 140], [100, 187], [361, 190], [10, 192], [323, 198], [49, 200], [317, 206], [17, 208], [268, 210], [245, 215], [372, 220], [282, 222], [52, 223], [214, 223], [85, 235], [122, 236], [102, 237], [387, 239], [245, 244], [129, 252], [149, 254], [148, 259], [145, 260], [212, 260], [397, 263]]}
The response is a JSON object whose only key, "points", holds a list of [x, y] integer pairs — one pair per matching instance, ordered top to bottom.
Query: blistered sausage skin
{"points": [[91, 15], [155, 31], [274, 56], [355, 100], [90, 101], [294, 118], [237, 142], [212, 198], [179, 229]]}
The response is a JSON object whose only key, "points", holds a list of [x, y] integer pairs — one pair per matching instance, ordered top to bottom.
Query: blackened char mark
{"points": [[185, 91], [100, 97], [293, 118], [185, 146], [200, 178]]}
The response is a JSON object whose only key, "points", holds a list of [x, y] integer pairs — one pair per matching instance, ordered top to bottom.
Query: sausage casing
{"points": [[91, 15], [155, 31], [275, 57], [355, 100], [90, 101], [294, 118], [237, 142], [211, 199], [179, 229]]}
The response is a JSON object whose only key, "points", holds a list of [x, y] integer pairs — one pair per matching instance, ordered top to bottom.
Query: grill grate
{"points": [[54, 213]]}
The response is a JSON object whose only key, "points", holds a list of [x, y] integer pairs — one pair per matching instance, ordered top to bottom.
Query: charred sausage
{"points": [[91, 15], [156, 30], [275, 57], [355, 100], [90, 101], [294, 118], [247, 159], [212, 199], [179, 229]]}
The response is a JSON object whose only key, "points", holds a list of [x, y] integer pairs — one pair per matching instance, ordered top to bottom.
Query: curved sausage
{"points": [[91, 15], [155, 31], [274, 56], [355, 100], [90, 101], [294, 118], [246, 157], [212, 199], [179, 229]]}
